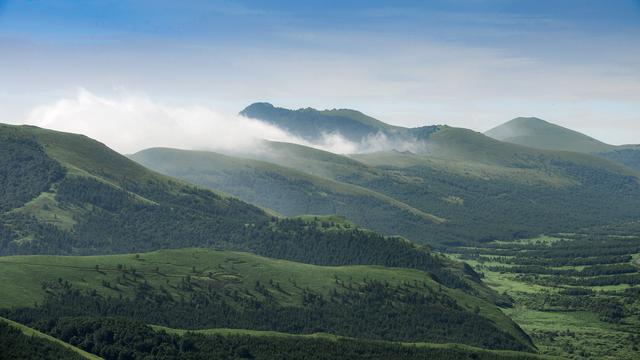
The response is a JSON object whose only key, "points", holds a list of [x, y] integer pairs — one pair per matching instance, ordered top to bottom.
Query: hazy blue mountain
{"points": [[537, 133], [540, 134], [463, 186]]}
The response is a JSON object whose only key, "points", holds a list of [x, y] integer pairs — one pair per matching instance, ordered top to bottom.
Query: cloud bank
{"points": [[129, 123]]}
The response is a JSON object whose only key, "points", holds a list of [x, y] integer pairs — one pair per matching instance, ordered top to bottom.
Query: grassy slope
{"points": [[537, 133], [468, 153], [85, 157], [465, 172], [257, 181], [22, 276], [32, 332]]}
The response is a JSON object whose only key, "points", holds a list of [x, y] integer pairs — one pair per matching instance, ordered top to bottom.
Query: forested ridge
{"points": [[497, 191], [143, 211], [372, 310], [120, 338], [14, 344]]}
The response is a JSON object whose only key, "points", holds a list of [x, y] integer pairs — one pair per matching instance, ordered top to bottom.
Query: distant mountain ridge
{"points": [[311, 124], [538, 133], [541, 134], [460, 186]]}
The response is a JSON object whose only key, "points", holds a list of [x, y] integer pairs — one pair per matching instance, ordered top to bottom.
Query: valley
{"points": [[576, 294]]}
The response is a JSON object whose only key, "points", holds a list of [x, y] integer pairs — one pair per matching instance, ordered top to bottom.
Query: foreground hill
{"points": [[540, 134], [196, 288]]}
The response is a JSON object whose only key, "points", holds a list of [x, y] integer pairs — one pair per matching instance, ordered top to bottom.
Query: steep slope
{"points": [[537, 133], [74, 195], [197, 288], [146, 341], [20, 342]]}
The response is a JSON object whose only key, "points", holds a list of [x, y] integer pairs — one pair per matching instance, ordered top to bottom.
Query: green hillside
{"points": [[313, 125], [537, 133], [540, 134], [628, 155], [483, 188], [488, 189], [288, 191], [99, 202], [242, 290], [141, 341], [21, 342], [362, 349]]}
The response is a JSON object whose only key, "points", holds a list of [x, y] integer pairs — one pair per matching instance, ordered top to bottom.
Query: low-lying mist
{"points": [[129, 123]]}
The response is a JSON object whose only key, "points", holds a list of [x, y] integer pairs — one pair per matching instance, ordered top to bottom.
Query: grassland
{"points": [[22, 276], [26, 280]]}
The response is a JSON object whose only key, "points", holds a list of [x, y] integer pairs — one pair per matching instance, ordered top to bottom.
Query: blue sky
{"points": [[466, 63]]}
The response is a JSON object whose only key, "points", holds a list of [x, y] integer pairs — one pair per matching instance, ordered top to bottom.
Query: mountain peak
{"points": [[257, 106], [529, 120], [312, 124], [537, 133]]}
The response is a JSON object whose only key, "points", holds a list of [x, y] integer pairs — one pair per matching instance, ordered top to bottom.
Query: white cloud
{"points": [[132, 122], [128, 123]]}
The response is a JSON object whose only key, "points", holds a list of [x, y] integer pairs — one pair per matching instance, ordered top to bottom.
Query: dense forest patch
{"points": [[25, 171]]}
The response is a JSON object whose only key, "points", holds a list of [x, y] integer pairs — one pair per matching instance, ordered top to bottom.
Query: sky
{"points": [[111, 69]]}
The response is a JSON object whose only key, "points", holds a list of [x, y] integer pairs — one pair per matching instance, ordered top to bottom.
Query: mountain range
{"points": [[456, 186]]}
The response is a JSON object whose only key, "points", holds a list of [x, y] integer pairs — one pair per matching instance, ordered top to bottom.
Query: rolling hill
{"points": [[540, 134], [477, 188], [289, 191], [69, 195], [72, 195], [245, 291]]}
